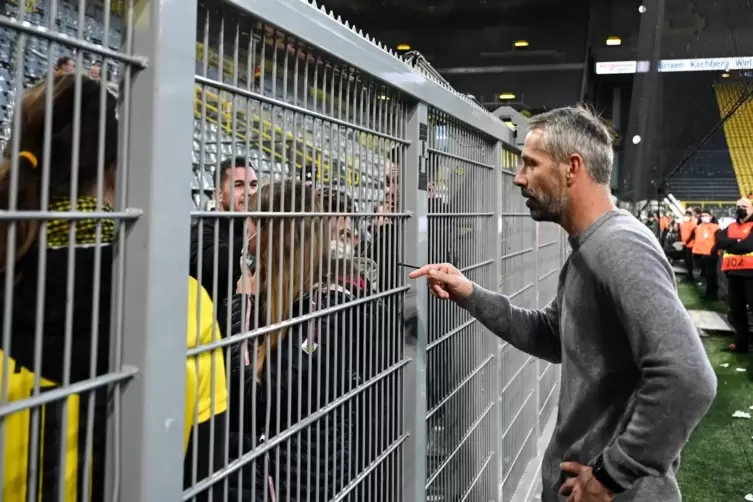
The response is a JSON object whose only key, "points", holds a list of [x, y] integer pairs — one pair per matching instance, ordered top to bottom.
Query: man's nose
{"points": [[520, 181]]}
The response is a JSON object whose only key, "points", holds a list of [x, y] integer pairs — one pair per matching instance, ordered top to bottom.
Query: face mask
{"points": [[741, 213], [686, 218], [706, 219], [340, 250], [251, 257], [251, 262]]}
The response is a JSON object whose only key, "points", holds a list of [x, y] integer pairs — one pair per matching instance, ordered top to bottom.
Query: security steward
{"points": [[687, 225], [663, 229], [704, 252], [737, 263]]}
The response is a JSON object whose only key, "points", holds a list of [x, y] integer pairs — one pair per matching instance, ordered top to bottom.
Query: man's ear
{"points": [[574, 168]]}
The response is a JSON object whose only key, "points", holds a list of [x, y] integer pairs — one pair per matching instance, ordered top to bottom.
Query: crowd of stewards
{"points": [[707, 246]]}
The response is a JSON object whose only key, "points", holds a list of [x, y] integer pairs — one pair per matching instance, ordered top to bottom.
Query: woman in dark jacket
{"points": [[299, 432]]}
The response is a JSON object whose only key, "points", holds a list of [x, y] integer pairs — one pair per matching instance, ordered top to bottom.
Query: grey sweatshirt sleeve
{"points": [[533, 331], [678, 383]]}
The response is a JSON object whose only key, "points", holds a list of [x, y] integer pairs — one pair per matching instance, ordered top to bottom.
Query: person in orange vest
{"points": [[687, 225], [663, 229], [704, 252], [737, 263]]}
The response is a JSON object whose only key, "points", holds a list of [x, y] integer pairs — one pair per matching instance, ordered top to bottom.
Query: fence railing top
{"points": [[322, 29]]}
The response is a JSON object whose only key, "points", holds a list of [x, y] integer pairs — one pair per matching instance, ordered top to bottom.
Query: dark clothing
{"points": [[442, 228], [663, 237], [221, 238], [442, 244], [733, 246], [384, 251], [688, 257], [708, 266], [739, 288], [89, 289], [740, 295], [53, 347], [317, 363]]}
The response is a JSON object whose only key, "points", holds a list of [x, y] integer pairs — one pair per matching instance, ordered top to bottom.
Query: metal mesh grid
{"points": [[292, 111], [279, 141], [346, 165], [61, 228], [549, 256], [460, 361], [518, 372]]}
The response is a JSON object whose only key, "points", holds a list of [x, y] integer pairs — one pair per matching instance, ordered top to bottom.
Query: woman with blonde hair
{"points": [[286, 368]]}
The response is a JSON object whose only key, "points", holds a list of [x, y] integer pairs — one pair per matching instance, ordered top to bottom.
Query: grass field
{"points": [[717, 463]]}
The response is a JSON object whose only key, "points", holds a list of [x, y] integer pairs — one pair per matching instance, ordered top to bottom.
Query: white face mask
{"points": [[686, 218], [706, 219], [340, 250]]}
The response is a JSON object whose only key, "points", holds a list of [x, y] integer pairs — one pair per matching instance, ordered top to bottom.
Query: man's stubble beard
{"points": [[549, 209]]}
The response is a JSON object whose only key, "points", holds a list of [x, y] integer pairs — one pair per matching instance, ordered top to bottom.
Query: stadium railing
{"points": [[316, 90]]}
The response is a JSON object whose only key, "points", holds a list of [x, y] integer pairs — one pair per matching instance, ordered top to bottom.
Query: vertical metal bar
{"points": [[156, 258], [539, 363], [496, 367], [414, 392]]}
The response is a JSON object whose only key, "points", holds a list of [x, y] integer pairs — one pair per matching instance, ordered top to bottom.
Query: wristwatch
{"points": [[602, 476]]}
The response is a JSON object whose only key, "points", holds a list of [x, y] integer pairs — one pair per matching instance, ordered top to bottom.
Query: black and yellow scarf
{"points": [[86, 229]]}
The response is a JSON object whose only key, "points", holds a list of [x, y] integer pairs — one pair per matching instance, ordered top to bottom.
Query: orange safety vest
{"points": [[664, 223], [686, 227], [705, 238], [730, 261]]}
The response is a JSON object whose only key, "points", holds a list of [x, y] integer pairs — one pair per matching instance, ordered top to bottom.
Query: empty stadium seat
{"points": [[739, 132]]}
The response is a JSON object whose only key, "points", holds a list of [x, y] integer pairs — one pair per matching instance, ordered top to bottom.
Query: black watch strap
{"points": [[603, 477]]}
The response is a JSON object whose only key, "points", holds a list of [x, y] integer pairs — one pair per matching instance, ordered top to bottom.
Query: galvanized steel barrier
{"points": [[339, 378]]}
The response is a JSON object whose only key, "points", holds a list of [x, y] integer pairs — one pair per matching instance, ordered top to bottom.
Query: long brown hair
{"points": [[32, 140], [290, 257]]}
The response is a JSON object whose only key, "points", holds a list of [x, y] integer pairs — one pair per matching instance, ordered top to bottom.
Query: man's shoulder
{"points": [[623, 228], [625, 244]]}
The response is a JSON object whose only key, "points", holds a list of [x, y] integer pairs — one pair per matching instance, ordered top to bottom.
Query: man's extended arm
{"points": [[533, 331], [678, 383]]}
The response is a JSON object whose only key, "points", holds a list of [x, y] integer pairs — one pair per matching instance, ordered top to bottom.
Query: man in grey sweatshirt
{"points": [[635, 377]]}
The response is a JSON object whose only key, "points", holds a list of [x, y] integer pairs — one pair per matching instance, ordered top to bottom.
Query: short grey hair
{"points": [[577, 129]]}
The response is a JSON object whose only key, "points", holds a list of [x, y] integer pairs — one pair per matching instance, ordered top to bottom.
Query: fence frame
{"points": [[155, 307], [414, 375], [153, 417]]}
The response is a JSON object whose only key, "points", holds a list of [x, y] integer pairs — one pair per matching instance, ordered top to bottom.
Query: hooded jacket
{"points": [[220, 237], [322, 363]]}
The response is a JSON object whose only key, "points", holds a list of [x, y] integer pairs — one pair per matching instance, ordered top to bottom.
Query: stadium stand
{"points": [[39, 52], [739, 132], [707, 173], [708, 176]]}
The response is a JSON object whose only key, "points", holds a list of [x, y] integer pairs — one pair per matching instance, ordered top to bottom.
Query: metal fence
{"points": [[305, 365]]}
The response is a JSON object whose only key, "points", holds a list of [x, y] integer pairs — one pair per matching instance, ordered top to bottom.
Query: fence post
{"points": [[155, 171], [415, 251], [539, 362], [496, 431]]}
